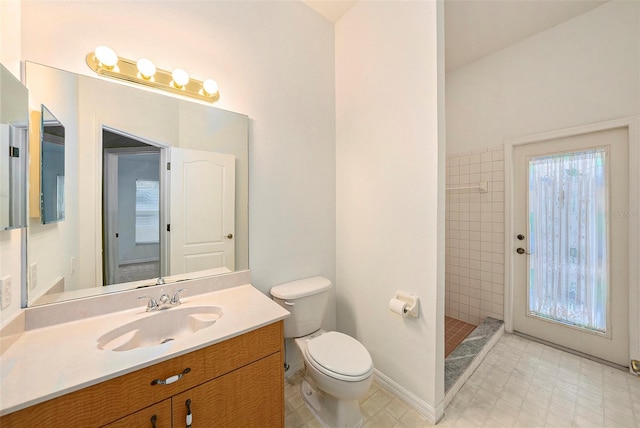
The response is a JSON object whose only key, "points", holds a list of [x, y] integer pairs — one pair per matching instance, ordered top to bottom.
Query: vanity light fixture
{"points": [[106, 57], [105, 62], [146, 69], [180, 78], [209, 87]]}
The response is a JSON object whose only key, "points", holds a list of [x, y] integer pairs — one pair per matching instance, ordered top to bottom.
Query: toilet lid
{"points": [[340, 356]]}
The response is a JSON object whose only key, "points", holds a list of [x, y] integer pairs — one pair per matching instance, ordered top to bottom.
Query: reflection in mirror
{"points": [[13, 151], [52, 168], [156, 189], [130, 209]]}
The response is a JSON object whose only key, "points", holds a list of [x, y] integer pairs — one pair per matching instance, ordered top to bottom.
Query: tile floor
{"points": [[455, 331], [519, 384]]}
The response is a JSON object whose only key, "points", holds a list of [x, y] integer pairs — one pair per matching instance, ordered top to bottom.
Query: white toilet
{"points": [[338, 367]]}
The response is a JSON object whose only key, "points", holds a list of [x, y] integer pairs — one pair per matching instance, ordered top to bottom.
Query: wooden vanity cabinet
{"points": [[237, 382], [242, 398], [156, 416]]}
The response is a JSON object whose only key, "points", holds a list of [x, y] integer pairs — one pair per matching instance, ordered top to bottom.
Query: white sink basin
{"points": [[160, 327]]}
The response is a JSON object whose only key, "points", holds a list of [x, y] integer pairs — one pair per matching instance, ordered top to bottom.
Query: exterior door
{"points": [[202, 211], [571, 263]]}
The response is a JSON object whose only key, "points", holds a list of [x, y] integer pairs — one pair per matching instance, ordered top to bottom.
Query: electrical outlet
{"points": [[33, 276], [5, 288]]}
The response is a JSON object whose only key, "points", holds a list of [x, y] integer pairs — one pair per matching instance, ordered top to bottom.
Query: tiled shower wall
{"points": [[474, 284]]}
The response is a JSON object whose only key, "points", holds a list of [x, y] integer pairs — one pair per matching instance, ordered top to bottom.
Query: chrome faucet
{"points": [[165, 302]]}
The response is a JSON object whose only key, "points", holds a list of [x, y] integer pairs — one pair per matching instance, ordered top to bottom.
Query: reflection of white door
{"points": [[202, 210], [571, 272]]}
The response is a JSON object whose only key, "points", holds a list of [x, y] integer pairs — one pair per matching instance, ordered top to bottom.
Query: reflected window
{"points": [[60, 196], [147, 211]]}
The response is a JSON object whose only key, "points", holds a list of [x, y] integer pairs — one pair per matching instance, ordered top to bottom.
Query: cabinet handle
{"points": [[171, 379], [189, 416], [154, 418]]}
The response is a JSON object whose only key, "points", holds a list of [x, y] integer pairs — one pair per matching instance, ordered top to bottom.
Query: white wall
{"points": [[10, 37], [273, 61], [579, 72], [390, 204], [11, 241], [11, 258]]}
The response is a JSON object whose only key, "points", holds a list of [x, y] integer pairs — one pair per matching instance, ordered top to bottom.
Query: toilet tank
{"points": [[306, 300]]}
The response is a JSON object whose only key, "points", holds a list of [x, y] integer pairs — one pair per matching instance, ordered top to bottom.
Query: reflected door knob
{"points": [[522, 251]]}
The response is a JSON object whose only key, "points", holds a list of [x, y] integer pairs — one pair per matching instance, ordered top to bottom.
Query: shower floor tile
{"points": [[455, 331]]}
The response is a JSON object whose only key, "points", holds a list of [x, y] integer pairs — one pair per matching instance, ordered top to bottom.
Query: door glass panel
{"points": [[147, 211], [568, 267]]}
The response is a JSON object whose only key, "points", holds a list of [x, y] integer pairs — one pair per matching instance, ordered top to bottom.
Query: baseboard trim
{"points": [[294, 368], [431, 414]]}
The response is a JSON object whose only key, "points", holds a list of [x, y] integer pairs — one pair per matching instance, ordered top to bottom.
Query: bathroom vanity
{"points": [[229, 374]]}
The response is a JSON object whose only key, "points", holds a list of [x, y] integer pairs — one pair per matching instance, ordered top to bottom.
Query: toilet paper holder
{"points": [[413, 303]]}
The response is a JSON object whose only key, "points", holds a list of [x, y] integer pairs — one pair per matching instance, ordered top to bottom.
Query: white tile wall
{"points": [[475, 236]]}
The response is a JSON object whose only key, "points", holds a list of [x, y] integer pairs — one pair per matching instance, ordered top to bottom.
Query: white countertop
{"points": [[48, 362]]}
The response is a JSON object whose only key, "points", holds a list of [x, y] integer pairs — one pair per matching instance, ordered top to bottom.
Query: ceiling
{"points": [[333, 10], [477, 28]]}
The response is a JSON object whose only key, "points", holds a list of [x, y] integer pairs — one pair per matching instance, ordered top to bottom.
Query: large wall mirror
{"points": [[14, 116], [154, 190]]}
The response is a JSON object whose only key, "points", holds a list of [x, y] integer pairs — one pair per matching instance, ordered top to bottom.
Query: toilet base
{"points": [[328, 410]]}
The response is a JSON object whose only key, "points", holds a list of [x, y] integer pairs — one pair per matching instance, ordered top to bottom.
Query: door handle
{"points": [[229, 236], [522, 251]]}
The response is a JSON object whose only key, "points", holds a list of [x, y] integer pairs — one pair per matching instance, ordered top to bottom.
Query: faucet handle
{"points": [[175, 300], [152, 305]]}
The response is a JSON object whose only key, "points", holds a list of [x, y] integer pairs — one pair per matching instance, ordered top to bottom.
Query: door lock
{"points": [[520, 237]]}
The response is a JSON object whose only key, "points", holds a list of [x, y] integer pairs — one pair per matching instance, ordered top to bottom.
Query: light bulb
{"points": [[106, 56], [146, 68], [180, 77], [210, 87]]}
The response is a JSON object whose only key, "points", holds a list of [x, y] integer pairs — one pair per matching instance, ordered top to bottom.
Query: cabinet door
{"points": [[251, 396], [156, 416]]}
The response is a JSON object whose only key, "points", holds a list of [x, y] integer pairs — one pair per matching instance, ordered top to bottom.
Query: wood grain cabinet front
{"points": [[239, 379], [245, 397], [156, 416]]}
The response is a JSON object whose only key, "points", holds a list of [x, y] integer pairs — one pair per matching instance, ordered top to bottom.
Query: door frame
{"points": [[631, 124], [101, 126]]}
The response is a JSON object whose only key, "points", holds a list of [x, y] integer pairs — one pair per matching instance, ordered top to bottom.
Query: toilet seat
{"points": [[339, 356]]}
